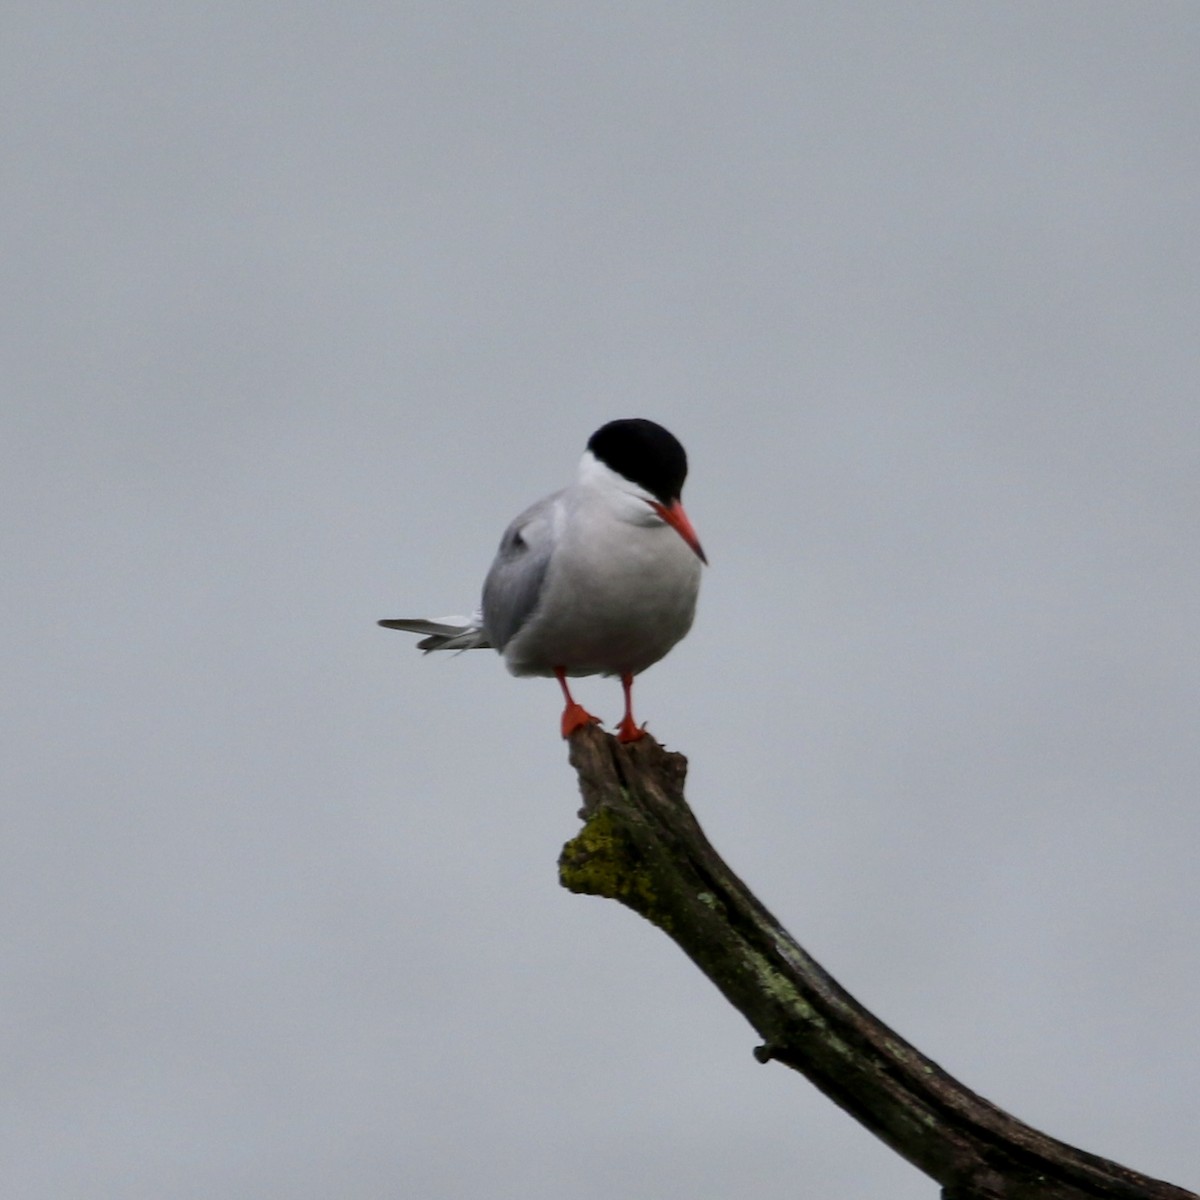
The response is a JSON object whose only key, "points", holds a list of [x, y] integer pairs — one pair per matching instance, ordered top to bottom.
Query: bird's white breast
{"points": [[620, 590]]}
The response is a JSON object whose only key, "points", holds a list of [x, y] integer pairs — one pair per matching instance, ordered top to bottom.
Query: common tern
{"points": [[600, 578]]}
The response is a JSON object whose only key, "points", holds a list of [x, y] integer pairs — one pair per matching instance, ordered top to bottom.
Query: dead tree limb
{"points": [[641, 845]]}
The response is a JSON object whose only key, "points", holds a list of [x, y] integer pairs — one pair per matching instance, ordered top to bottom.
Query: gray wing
{"points": [[514, 584]]}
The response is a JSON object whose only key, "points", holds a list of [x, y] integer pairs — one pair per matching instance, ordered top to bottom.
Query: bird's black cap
{"points": [[645, 454]]}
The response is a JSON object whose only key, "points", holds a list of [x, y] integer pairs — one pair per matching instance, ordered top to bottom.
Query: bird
{"points": [[600, 578]]}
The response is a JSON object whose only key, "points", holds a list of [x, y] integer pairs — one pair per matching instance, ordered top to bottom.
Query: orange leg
{"points": [[575, 716], [629, 730]]}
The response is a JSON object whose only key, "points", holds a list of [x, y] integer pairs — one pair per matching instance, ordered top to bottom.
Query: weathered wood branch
{"points": [[641, 845]]}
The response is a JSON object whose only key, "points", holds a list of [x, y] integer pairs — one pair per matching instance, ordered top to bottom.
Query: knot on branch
{"points": [[626, 789], [601, 860]]}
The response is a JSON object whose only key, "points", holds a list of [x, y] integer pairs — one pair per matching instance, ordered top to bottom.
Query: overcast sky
{"points": [[303, 302]]}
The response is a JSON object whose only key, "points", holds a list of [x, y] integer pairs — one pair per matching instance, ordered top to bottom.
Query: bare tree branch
{"points": [[641, 845]]}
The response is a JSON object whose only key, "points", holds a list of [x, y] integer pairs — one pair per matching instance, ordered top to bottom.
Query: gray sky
{"points": [[304, 302]]}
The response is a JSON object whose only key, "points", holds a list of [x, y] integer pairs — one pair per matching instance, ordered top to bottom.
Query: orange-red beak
{"points": [[674, 516]]}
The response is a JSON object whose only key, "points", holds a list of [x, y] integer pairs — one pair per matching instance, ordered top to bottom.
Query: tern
{"points": [[600, 578]]}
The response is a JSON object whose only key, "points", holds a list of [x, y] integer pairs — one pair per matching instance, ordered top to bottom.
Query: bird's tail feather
{"points": [[444, 633]]}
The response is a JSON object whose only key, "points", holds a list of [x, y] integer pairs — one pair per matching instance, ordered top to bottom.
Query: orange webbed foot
{"points": [[576, 717], [629, 730]]}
